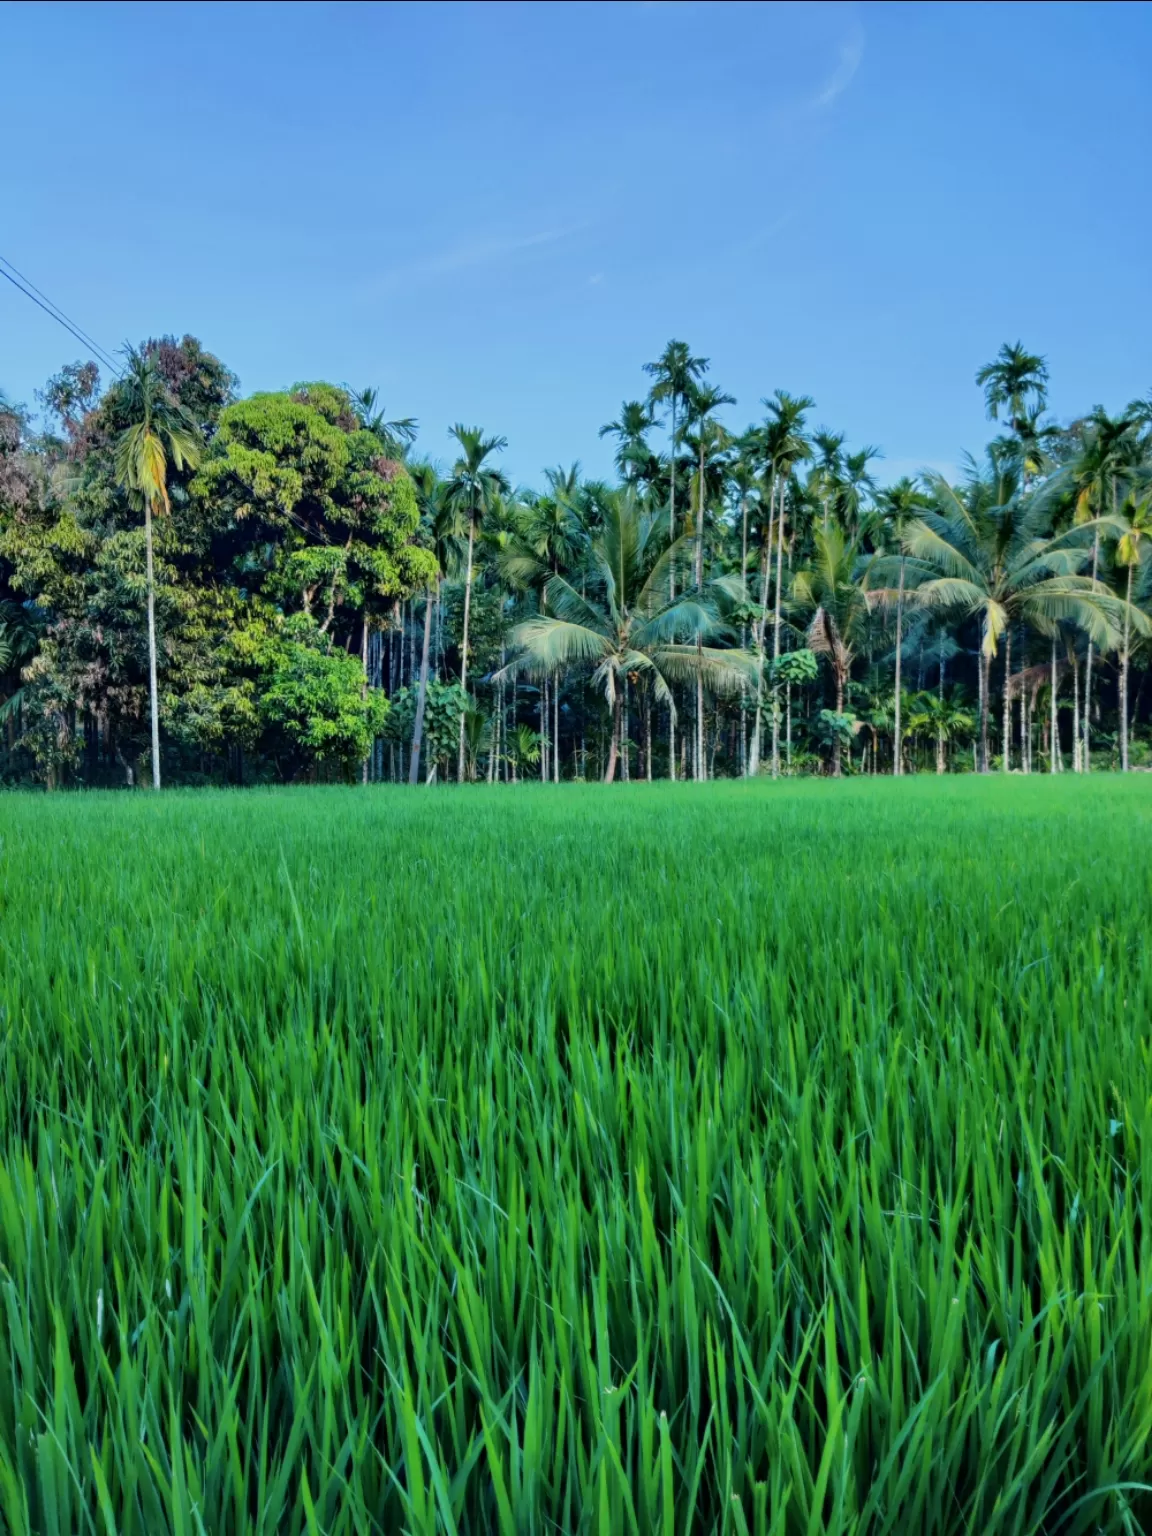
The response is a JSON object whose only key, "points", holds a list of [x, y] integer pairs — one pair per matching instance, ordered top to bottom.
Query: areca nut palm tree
{"points": [[673, 374], [1016, 380], [630, 429], [160, 433], [396, 437], [711, 441], [786, 445], [1111, 447], [429, 489], [472, 490], [898, 505], [1130, 550], [840, 609], [635, 632]]}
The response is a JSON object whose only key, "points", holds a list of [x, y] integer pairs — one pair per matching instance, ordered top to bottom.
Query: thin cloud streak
{"points": [[851, 55], [472, 253]]}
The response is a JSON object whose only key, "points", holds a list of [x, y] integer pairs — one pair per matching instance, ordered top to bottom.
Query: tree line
{"points": [[197, 587]]}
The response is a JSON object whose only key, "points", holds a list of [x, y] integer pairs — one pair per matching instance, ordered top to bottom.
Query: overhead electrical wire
{"points": [[28, 288]]}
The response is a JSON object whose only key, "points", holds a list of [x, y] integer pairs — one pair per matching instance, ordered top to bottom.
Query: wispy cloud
{"points": [[851, 54], [762, 236], [487, 250]]}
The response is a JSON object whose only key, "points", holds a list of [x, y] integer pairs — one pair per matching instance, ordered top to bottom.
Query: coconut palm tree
{"points": [[160, 433], [472, 491], [982, 551], [1129, 552], [828, 589], [635, 633]]}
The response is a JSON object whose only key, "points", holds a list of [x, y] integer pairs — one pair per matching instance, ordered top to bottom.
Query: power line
{"points": [[42, 301], [78, 329]]}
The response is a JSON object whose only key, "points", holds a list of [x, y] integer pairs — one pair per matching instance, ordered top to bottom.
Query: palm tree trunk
{"points": [[672, 510], [700, 516], [672, 576], [761, 630], [744, 635], [776, 636], [464, 643], [364, 664], [1124, 681], [153, 691], [421, 696], [985, 709], [839, 711], [544, 713], [1054, 722], [1006, 725], [556, 729], [648, 736], [1077, 736], [788, 738], [613, 750], [1086, 757], [625, 765], [701, 766], [898, 766]]}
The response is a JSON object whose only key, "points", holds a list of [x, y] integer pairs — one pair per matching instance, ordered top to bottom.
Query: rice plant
{"points": [[750, 1159]]}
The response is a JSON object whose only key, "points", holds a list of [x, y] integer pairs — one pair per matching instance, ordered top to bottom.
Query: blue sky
{"points": [[497, 213]]}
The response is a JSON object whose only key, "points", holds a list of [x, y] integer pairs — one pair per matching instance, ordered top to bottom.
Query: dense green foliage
{"points": [[158, 540], [773, 1160]]}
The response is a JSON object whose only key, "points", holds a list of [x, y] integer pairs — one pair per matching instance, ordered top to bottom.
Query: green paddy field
{"points": [[731, 1158]]}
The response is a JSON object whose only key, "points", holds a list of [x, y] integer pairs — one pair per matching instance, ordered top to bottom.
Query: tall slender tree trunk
{"points": [[671, 577], [761, 631], [744, 635], [776, 636], [464, 643], [1124, 679], [364, 686], [153, 691], [421, 695], [985, 709], [1054, 720], [1006, 723], [544, 724], [556, 729], [647, 735], [1077, 735], [614, 748], [836, 749], [1086, 757], [625, 764], [701, 764], [898, 766]]}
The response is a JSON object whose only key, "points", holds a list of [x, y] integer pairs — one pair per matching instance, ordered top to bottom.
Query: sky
{"points": [[497, 213]]}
